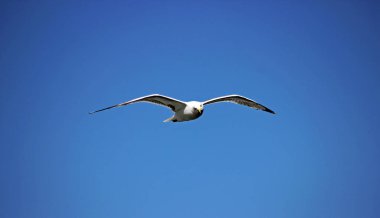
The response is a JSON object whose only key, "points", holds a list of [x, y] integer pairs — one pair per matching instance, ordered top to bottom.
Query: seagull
{"points": [[191, 110]]}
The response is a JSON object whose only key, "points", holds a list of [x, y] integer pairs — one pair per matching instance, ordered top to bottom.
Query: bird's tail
{"points": [[170, 119]]}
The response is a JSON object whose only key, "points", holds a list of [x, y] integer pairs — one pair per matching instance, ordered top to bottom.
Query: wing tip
{"points": [[118, 105], [269, 111], [92, 112]]}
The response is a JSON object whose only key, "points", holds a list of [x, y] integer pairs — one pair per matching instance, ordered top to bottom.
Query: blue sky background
{"points": [[316, 63]]}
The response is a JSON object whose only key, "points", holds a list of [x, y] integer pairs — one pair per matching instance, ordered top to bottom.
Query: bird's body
{"points": [[186, 111], [190, 112]]}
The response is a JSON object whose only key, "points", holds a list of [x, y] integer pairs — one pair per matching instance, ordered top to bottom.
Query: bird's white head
{"points": [[197, 106]]}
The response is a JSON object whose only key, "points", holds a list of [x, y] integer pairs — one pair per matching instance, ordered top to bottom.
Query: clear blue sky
{"points": [[316, 63]]}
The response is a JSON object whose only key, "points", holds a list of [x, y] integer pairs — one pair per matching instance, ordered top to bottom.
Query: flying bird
{"points": [[186, 111]]}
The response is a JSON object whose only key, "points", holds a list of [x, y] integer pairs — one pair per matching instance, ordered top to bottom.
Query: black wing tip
{"points": [[118, 105], [269, 111], [92, 112]]}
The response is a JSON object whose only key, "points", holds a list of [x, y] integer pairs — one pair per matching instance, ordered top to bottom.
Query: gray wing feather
{"points": [[238, 99], [171, 103]]}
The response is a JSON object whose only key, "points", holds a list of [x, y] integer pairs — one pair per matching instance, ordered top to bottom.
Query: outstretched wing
{"points": [[237, 99], [171, 103]]}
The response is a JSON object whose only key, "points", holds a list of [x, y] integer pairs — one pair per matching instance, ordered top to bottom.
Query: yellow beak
{"points": [[199, 110]]}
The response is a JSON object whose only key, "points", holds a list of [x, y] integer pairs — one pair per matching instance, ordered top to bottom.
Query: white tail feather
{"points": [[169, 119]]}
